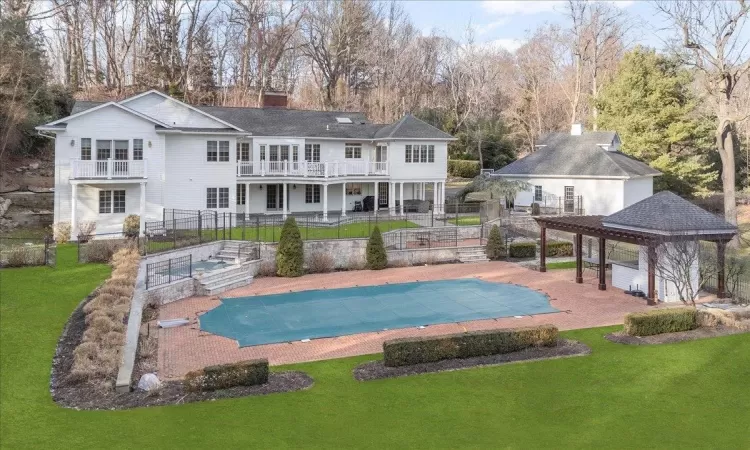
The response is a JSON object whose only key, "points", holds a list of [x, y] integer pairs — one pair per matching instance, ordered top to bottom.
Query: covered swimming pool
{"points": [[322, 313]]}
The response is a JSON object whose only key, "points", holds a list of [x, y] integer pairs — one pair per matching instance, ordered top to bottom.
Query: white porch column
{"points": [[422, 194], [401, 197], [435, 197], [442, 197], [391, 198], [343, 199], [247, 200], [284, 201], [325, 202], [375, 203], [73, 207], [142, 212]]}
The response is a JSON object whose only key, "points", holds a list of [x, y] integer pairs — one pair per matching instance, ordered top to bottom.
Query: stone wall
{"points": [[345, 252]]}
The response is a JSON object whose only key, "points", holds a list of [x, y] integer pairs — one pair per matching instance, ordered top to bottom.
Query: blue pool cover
{"points": [[336, 312]]}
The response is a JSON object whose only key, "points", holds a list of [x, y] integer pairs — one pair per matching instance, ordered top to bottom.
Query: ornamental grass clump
{"points": [[495, 248], [290, 256], [377, 258], [97, 357]]}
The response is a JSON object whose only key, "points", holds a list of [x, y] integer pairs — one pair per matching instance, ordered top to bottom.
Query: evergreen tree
{"points": [[202, 82], [650, 105], [495, 249], [290, 253], [377, 258]]}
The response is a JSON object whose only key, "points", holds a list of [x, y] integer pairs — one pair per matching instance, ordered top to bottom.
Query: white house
{"points": [[150, 152], [581, 172]]}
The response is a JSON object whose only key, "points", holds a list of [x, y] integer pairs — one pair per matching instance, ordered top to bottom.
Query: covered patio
{"points": [[663, 218]]}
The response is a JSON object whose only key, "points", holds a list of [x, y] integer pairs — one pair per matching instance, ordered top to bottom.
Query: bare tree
{"points": [[712, 43], [683, 265]]}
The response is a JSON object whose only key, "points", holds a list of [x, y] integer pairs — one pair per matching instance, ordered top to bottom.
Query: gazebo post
{"points": [[721, 247], [543, 249], [579, 258], [651, 261], [602, 264]]}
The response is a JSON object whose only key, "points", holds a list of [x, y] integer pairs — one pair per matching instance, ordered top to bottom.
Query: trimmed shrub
{"points": [[463, 168], [535, 209], [131, 226], [559, 248], [495, 249], [100, 250], [522, 250], [23, 255], [290, 255], [377, 258], [320, 262], [661, 321], [409, 351], [243, 373]]}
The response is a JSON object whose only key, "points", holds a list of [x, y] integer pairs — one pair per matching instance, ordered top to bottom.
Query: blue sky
{"points": [[507, 22]]}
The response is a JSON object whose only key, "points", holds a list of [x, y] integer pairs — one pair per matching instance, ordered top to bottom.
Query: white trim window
{"points": [[86, 149], [137, 149], [217, 151], [243, 151], [353, 151], [263, 152], [312, 152], [407, 153], [419, 153], [353, 188], [241, 193], [312, 193], [538, 197], [217, 198], [112, 202]]}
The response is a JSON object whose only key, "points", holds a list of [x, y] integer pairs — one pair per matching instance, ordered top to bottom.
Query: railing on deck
{"points": [[108, 169], [328, 169], [165, 272]]}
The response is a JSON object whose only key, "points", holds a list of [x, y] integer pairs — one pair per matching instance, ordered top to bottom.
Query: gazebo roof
{"points": [[666, 213]]}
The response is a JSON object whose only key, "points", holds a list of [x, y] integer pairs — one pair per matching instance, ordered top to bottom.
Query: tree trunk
{"points": [[725, 146]]}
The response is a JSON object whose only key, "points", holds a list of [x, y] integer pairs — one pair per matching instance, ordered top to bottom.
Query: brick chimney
{"points": [[274, 100]]}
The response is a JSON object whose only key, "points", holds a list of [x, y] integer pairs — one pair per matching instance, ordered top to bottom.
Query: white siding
{"points": [[171, 112], [401, 170], [189, 174], [636, 189], [600, 196], [88, 206], [623, 278]]}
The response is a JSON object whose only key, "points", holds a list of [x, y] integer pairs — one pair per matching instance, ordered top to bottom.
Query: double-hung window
{"points": [[86, 149], [137, 149], [103, 150], [121, 150], [217, 151], [224, 151], [243, 151], [353, 151], [262, 152], [312, 152], [295, 153], [431, 153], [408, 154], [419, 154], [423, 154], [353, 189], [312, 193], [537, 193], [241, 194], [223, 197], [217, 198], [111, 202]]}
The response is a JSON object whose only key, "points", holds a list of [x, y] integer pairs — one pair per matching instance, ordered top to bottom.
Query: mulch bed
{"points": [[668, 338], [565, 348], [92, 396]]}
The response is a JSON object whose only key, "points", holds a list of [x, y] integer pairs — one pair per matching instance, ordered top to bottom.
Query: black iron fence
{"points": [[426, 238], [27, 251], [165, 272]]}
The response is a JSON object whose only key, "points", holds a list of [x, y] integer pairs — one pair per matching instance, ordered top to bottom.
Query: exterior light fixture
{"points": [[72, 142], [260, 186]]}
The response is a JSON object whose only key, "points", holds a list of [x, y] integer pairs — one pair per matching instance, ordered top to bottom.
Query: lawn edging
{"points": [[671, 338]]}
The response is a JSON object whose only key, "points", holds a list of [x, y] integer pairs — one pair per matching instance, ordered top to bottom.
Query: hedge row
{"points": [[463, 168], [559, 248], [522, 250], [661, 321], [409, 351], [243, 373]]}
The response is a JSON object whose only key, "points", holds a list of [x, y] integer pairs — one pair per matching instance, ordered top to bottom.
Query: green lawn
{"points": [[467, 220], [561, 265], [688, 395]]}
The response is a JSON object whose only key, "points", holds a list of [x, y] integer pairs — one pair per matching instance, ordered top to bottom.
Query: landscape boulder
{"points": [[149, 382]]}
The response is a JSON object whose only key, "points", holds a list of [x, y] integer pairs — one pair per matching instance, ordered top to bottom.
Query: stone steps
{"points": [[472, 255], [219, 281]]}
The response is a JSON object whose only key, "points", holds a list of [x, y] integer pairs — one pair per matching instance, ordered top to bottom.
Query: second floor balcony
{"points": [[108, 169], [329, 169]]}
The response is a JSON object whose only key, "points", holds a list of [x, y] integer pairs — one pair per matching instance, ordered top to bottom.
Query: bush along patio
{"points": [[653, 383]]}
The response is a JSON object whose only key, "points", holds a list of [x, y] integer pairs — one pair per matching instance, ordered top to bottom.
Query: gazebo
{"points": [[662, 218]]}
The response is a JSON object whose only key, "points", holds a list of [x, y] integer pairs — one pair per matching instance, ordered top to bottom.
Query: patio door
{"points": [[381, 153], [121, 158], [383, 194], [274, 197], [570, 203]]}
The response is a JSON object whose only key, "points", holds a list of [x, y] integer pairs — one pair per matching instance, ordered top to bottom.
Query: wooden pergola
{"points": [[592, 226]]}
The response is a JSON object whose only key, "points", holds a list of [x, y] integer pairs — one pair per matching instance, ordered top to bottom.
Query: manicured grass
{"points": [[467, 220], [561, 265], [687, 395]]}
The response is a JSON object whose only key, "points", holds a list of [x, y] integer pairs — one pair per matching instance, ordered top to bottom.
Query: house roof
{"points": [[306, 123], [409, 127], [561, 154], [666, 212]]}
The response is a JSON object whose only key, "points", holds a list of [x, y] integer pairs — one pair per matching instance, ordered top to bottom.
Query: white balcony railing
{"points": [[108, 169], [330, 169]]}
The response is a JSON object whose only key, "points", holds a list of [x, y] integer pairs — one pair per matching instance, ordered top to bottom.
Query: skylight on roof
{"points": [[343, 120]]}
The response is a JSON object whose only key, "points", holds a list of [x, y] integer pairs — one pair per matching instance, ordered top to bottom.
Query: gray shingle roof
{"points": [[306, 123], [409, 127], [563, 154], [667, 212]]}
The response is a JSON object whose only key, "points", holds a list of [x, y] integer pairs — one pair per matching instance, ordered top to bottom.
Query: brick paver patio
{"points": [[186, 348]]}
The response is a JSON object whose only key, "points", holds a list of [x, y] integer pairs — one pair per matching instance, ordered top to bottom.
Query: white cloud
{"points": [[514, 7], [485, 28]]}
